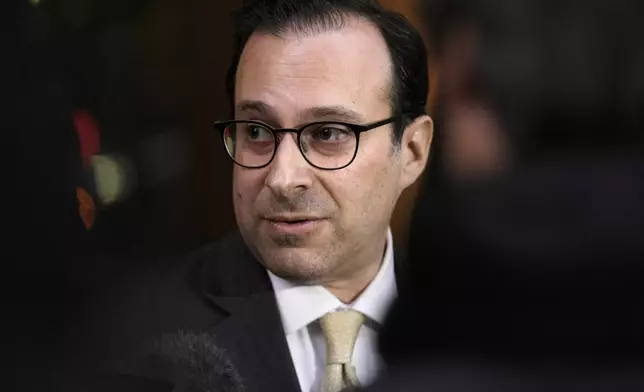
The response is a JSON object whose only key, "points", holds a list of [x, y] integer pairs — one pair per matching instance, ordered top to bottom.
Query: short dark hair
{"points": [[410, 84]]}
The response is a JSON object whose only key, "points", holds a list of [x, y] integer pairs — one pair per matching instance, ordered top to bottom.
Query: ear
{"points": [[415, 146]]}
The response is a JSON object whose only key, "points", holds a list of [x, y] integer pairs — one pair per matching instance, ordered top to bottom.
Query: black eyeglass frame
{"points": [[357, 129]]}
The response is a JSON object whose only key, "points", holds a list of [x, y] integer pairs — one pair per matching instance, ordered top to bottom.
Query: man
{"points": [[329, 128]]}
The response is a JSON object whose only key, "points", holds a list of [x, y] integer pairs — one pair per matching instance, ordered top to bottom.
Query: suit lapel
{"points": [[252, 333], [254, 338]]}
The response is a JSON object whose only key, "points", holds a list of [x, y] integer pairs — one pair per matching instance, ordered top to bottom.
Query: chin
{"points": [[298, 264]]}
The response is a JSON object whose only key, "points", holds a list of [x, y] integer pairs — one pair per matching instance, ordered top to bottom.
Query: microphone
{"points": [[195, 363]]}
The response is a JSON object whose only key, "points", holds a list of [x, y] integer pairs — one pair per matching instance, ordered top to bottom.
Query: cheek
{"points": [[385, 183], [246, 187], [367, 191]]}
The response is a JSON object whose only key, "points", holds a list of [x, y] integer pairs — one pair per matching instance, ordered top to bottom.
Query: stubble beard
{"points": [[288, 257]]}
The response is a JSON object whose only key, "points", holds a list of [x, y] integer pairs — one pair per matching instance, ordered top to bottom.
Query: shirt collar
{"points": [[300, 304]]}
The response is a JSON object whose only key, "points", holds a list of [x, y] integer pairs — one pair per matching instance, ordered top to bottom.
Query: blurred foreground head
{"points": [[532, 82], [532, 244]]}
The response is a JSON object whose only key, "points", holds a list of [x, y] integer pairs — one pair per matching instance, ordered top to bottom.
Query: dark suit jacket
{"points": [[221, 289]]}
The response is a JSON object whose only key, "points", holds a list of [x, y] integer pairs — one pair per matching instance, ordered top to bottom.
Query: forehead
{"points": [[348, 67]]}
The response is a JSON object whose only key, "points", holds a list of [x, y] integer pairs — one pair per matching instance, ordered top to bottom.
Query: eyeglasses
{"points": [[328, 145]]}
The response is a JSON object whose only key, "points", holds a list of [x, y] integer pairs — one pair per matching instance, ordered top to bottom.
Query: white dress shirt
{"points": [[301, 306]]}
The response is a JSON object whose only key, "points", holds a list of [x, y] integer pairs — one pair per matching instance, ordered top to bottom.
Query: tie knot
{"points": [[340, 330]]}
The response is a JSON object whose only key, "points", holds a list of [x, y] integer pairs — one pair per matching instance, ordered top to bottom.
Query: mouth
{"points": [[292, 219], [293, 225]]}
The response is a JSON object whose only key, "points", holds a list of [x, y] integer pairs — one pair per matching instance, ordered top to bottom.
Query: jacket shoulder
{"points": [[161, 298]]}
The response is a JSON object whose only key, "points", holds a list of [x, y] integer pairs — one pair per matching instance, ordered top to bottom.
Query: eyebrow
{"points": [[257, 106], [334, 112]]}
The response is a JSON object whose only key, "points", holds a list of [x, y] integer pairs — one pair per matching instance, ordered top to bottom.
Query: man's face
{"points": [[293, 80]]}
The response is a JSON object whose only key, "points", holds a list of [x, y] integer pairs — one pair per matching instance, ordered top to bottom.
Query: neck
{"points": [[348, 289]]}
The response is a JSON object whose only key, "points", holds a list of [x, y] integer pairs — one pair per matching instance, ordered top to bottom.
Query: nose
{"points": [[289, 171]]}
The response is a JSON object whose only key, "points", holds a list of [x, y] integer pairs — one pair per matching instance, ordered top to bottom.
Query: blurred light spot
{"points": [[35, 2], [89, 136], [113, 178], [86, 208]]}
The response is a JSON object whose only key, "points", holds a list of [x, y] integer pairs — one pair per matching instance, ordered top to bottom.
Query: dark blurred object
{"points": [[567, 78], [529, 251], [177, 362], [195, 363], [449, 375], [117, 382]]}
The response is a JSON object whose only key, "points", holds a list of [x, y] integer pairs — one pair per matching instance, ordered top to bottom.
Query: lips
{"points": [[291, 219], [292, 222], [293, 225]]}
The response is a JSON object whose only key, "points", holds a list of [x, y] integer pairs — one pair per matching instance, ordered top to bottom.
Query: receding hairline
{"points": [[345, 19], [338, 20]]}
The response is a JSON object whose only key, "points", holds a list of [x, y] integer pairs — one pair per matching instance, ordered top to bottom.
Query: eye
{"points": [[258, 133], [330, 133]]}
